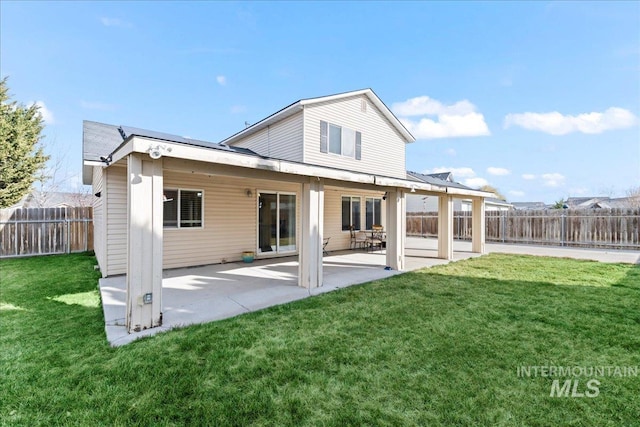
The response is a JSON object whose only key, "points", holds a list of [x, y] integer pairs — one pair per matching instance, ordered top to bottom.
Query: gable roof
{"points": [[293, 108]]}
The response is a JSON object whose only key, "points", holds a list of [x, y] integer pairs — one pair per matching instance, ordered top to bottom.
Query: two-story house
{"points": [[313, 170]]}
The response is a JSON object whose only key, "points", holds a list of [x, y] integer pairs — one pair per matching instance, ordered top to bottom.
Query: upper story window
{"points": [[340, 140], [182, 208]]}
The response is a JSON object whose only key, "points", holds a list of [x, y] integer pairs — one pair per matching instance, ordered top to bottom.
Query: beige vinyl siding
{"points": [[282, 140], [383, 148], [98, 218], [116, 219], [230, 219], [339, 239]]}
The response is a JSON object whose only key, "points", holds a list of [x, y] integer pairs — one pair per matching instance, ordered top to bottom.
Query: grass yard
{"points": [[436, 347]]}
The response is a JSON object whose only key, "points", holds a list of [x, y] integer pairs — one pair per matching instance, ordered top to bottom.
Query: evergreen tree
{"points": [[21, 157]]}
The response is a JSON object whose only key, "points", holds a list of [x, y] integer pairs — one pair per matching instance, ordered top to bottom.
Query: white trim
{"points": [[293, 108], [207, 155], [351, 197], [374, 210], [178, 226], [277, 252]]}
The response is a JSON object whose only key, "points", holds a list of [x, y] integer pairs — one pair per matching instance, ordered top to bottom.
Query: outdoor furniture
{"points": [[378, 238], [358, 239], [325, 242]]}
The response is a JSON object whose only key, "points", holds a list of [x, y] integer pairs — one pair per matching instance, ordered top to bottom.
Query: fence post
{"points": [[503, 216], [66, 221], [563, 228], [15, 237]]}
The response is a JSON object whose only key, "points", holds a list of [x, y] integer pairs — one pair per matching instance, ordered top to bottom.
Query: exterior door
{"points": [[276, 222]]}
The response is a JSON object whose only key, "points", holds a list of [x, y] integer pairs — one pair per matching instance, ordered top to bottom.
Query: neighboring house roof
{"points": [[300, 104], [446, 176], [436, 179], [53, 199], [496, 202], [601, 202], [529, 205]]}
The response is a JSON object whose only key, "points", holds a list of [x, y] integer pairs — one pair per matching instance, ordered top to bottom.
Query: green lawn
{"points": [[436, 347]]}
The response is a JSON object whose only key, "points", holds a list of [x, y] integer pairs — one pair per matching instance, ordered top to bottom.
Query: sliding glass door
{"points": [[276, 222]]}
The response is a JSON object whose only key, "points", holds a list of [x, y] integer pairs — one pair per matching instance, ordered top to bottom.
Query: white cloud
{"points": [[114, 22], [222, 80], [97, 106], [425, 106], [46, 114], [458, 119], [555, 123], [451, 152], [498, 171], [457, 172], [528, 176], [553, 179], [475, 182], [516, 193]]}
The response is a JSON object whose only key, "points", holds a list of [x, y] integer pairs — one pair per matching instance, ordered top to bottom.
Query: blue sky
{"points": [[541, 100]]}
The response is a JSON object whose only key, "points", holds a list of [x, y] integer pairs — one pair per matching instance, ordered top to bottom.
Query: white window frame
{"points": [[342, 139], [277, 193], [351, 197], [374, 210], [178, 226]]}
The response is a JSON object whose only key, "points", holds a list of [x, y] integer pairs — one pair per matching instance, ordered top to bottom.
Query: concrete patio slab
{"points": [[214, 292]]}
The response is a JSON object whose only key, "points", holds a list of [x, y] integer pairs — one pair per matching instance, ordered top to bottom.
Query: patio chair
{"points": [[378, 238], [357, 239], [325, 242]]}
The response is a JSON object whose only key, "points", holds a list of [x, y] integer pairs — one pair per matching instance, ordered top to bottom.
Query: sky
{"points": [[538, 99]]}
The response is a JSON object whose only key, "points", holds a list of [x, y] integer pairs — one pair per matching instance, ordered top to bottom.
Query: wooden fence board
{"points": [[597, 228], [41, 231]]}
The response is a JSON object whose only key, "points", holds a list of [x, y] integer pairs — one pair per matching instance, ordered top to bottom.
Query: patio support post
{"points": [[477, 226], [445, 227], [396, 229], [144, 243], [310, 254]]}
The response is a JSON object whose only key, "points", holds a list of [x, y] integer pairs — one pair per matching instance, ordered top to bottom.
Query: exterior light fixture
{"points": [[156, 151]]}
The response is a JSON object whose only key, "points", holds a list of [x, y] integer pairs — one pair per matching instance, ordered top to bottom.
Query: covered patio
{"points": [[213, 292]]}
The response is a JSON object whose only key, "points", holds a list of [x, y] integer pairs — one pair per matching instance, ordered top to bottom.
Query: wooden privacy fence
{"points": [[611, 228], [45, 231]]}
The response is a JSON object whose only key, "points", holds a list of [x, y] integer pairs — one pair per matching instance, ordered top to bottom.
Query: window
{"points": [[335, 139], [340, 140], [182, 208], [373, 212], [350, 213]]}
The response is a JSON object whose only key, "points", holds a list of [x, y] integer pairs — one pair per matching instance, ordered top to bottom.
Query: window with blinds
{"points": [[182, 208]]}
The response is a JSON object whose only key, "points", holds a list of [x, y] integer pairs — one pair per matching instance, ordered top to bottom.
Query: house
{"points": [[308, 172], [53, 199], [602, 202], [420, 203], [529, 205]]}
